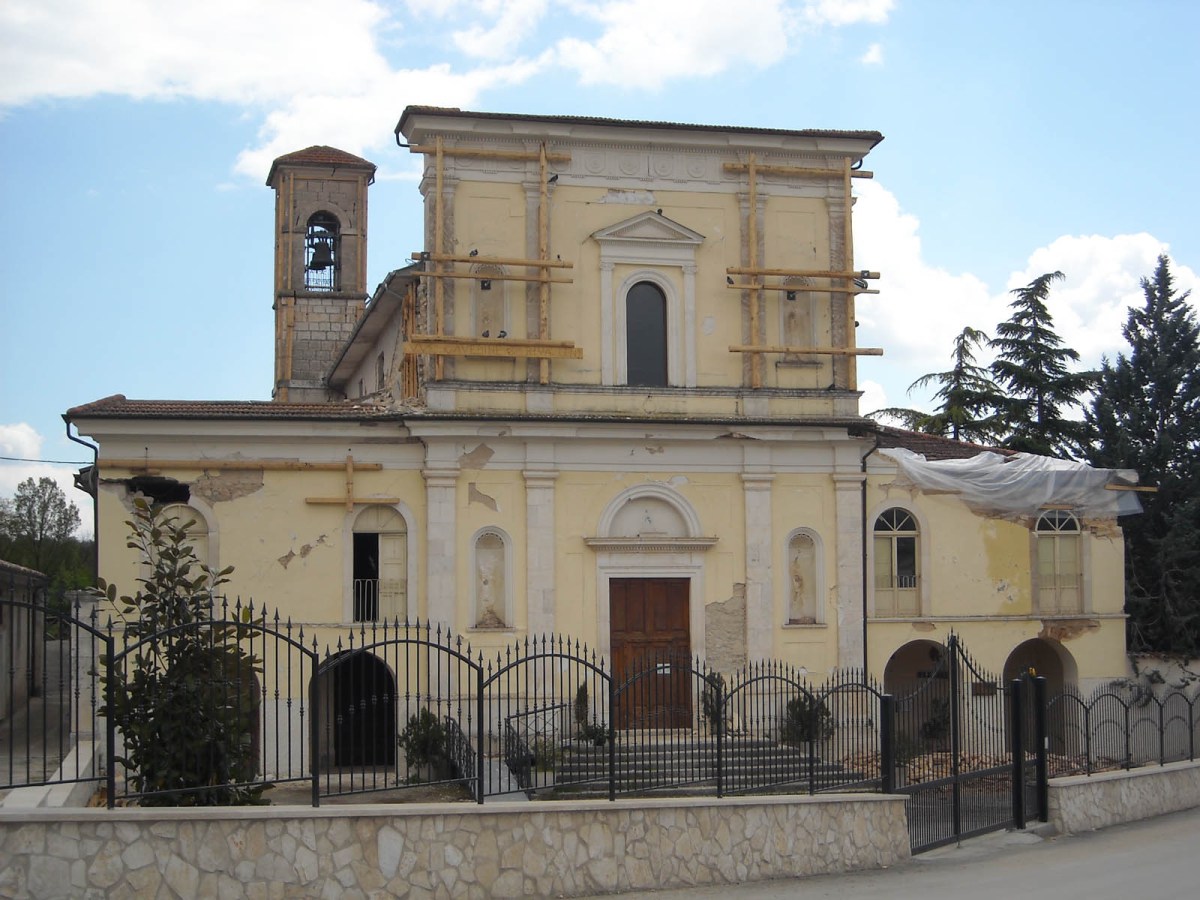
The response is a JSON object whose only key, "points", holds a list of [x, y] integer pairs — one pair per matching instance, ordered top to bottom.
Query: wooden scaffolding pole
{"points": [[543, 252], [543, 264], [848, 265], [439, 284], [756, 359]]}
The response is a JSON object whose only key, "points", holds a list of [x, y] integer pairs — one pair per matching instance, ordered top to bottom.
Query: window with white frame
{"points": [[646, 335], [1059, 563], [380, 566], [897, 575]]}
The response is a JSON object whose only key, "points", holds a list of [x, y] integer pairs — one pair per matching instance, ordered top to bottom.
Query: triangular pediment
{"points": [[649, 227]]}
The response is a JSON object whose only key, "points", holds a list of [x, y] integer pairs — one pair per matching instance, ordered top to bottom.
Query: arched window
{"points": [[321, 252], [646, 335], [1059, 576], [897, 578], [491, 580], [380, 585], [803, 608]]}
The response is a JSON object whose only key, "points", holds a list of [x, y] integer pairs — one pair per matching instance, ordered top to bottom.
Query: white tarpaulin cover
{"points": [[1023, 484]]}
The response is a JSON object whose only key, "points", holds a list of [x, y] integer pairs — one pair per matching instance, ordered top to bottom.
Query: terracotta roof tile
{"points": [[321, 155], [118, 406], [932, 446], [14, 569]]}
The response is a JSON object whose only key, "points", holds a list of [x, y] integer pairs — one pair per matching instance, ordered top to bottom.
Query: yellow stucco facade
{"points": [[625, 352]]}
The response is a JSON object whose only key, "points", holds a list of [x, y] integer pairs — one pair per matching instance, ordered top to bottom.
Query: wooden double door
{"points": [[651, 652]]}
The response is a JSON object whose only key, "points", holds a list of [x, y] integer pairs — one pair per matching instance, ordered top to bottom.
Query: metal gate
{"points": [[970, 751]]}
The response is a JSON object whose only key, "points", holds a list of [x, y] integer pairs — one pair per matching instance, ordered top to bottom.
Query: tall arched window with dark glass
{"points": [[321, 252], [646, 335]]}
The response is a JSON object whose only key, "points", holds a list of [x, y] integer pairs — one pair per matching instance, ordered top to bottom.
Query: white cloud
{"points": [[847, 12], [511, 23], [645, 43], [224, 50], [873, 56], [317, 72], [362, 121], [1103, 279], [922, 307], [22, 441]]}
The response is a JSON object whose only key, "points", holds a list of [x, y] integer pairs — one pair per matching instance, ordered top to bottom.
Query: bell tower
{"points": [[320, 264]]}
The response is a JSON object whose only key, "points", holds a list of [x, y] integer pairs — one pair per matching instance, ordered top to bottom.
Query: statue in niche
{"points": [[802, 569], [489, 581]]}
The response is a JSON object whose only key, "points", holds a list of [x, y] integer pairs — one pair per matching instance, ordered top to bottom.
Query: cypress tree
{"points": [[1031, 368], [970, 400], [1146, 416]]}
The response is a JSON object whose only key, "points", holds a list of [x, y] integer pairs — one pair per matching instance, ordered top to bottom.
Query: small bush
{"points": [[806, 719], [423, 741]]}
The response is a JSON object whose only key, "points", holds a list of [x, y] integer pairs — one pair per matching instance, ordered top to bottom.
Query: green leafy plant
{"points": [[711, 699], [185, 700], [582, 707], [806, 719], [937, 726], [585, 730], [424, 743]]}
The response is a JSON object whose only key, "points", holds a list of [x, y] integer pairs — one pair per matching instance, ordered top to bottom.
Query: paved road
{"points": [[1156, 859]]}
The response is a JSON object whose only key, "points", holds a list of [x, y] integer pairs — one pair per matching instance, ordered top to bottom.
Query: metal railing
{"points": [[397, 705], [1121, 725]]}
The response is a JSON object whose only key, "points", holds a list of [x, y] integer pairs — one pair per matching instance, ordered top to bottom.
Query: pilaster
{"points": [[848, 512]]}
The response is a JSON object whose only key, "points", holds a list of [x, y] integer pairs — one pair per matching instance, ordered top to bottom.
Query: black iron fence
{"points": [[391, 706], [1121, 725], [968, 750]]}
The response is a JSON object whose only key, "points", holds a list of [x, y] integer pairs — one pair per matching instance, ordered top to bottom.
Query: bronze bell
{"points": [[322, 256]]}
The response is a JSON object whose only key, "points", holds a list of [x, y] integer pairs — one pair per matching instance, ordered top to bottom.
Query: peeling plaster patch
{"points": [[636, 198], [709, 325], [655, 450], [477, 458], [678, 481], [224, 486], [474, 495], [1103, 528], [308, 548], [287, 558], [924, 626], [725, 631], [1063, 631]]}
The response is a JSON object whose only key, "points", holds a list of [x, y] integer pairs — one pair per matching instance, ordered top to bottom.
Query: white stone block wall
{"points": [[1087, 802], [444, 850]]}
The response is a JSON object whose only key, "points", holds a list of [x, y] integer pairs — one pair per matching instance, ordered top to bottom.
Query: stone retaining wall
{"points": [[1087, 802], [444, 850]]}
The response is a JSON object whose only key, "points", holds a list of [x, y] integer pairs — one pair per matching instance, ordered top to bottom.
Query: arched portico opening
{"points": [[357, 694]]}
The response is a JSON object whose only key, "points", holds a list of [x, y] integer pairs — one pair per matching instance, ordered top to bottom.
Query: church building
{"points": [[614, 396]]}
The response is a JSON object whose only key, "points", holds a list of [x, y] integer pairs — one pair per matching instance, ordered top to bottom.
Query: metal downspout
{"points": [[95, 496]]}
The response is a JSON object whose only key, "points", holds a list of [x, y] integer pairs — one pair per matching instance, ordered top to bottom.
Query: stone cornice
{"points": [[651, 544]]}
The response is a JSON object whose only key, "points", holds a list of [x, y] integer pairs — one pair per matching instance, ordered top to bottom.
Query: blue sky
{"points": [[135, 137]]}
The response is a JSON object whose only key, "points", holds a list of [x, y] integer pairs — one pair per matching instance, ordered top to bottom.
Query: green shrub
{"points": [[185, 702], [806, 719], [424, 743]]}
